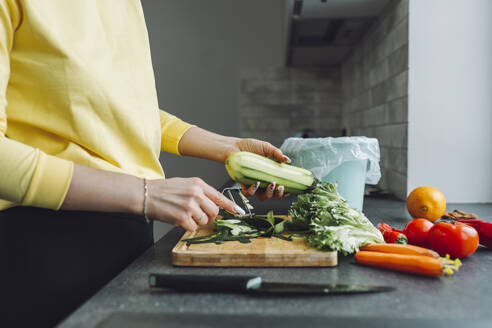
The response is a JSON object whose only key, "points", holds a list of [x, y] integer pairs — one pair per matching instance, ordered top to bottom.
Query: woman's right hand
{"points": [[185, 202]]}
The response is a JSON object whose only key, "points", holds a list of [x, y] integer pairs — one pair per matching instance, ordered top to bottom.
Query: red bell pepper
{"points": [[484, 230]]}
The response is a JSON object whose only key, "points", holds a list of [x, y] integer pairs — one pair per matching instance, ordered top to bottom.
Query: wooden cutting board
{"points": [[265, 252]]}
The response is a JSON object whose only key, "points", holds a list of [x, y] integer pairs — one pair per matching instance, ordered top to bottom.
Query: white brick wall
{"points": [[367, 95], [275, 103]]}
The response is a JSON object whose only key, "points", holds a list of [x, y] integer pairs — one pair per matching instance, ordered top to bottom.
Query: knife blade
{"points": [[253, 285]]}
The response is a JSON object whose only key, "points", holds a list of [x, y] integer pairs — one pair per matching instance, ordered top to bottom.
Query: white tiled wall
{"points": [[367, 95], [275, 103]]}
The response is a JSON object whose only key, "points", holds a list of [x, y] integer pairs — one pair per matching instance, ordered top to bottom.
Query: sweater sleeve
{"points": [[172, 129], [28, 176]]}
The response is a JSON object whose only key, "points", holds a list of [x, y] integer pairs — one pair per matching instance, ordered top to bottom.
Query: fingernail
{"points": [[287, 159], [257, 185], [271, 187], [281, 189], [239, 210]]}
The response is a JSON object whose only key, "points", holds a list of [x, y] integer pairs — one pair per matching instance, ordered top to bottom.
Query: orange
{"points": [[426, 202]]}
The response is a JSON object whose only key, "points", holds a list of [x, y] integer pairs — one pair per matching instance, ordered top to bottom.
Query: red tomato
{"points": [[417, 232], [456, 239]]}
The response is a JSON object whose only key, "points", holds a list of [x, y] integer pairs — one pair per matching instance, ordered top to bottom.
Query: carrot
{"points": [[400, 249], [418, 264]]}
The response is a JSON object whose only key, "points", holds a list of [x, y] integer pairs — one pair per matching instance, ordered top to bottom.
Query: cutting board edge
{"points": [[317, 259], [330, 259]]}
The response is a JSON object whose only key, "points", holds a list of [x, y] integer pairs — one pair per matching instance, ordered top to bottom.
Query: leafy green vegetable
{"points": [[332, 223], [235, 227], [243, 230]]}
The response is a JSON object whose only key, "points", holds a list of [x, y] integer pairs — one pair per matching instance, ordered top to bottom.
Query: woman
{"points": [[80, 137]]}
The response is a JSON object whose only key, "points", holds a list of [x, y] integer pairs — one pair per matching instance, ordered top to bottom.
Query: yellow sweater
{"points": [[76, 86]]}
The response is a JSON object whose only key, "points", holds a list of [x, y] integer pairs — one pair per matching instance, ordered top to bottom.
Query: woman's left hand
{"points": [[201, 143], [266, 149]]}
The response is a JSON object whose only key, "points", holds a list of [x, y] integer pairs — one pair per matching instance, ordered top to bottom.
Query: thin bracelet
{"points": [[146, 194]]}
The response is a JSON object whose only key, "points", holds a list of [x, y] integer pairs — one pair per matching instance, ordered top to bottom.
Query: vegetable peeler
{"points": [[236, 190]]}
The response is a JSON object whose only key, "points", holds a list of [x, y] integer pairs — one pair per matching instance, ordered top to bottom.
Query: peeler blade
{"points": [[246, 206]]}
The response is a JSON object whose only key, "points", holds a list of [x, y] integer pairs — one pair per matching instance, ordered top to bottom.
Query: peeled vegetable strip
{"points": [[400, 249], [417, 264]]}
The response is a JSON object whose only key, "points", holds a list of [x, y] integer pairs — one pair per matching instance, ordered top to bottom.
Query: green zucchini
{"points": [[248, 168]]}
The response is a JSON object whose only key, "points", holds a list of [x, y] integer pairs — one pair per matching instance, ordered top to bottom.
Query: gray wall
{"points": [[198, 48], [375, 93], [367, 94], [277, 102]]}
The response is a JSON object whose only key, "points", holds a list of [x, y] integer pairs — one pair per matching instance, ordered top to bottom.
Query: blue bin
{"points": [[351, 179]]}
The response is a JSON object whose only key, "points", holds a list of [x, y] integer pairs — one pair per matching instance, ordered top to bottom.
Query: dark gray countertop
{"points": [[464, 299]]}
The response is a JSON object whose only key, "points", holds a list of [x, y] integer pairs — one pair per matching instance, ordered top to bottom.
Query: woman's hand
{"points": [[201, 143], [259, 147], [268, 150], [185, 202]]}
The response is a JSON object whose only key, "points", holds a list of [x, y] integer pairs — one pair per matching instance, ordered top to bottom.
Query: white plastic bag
{"points": [[321, 155]]}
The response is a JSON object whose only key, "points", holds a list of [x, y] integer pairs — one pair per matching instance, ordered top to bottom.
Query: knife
{"points": [[253, 285]]}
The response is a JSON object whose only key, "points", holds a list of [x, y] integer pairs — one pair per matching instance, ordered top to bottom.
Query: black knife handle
{"points": [[204, 283]]}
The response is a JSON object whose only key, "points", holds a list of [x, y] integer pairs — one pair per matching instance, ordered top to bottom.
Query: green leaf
{"points": [[270, 218], [332, 223], [243, 230]]}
